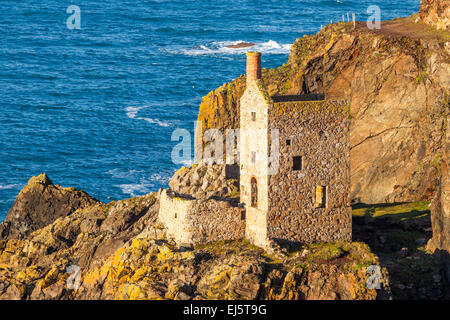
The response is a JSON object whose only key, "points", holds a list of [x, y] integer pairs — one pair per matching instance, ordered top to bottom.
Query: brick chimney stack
{"points": [[253, 66]]}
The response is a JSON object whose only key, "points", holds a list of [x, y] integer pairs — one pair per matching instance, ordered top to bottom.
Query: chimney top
{"points": [[253, 66]]}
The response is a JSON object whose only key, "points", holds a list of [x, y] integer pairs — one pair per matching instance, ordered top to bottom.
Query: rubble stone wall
{"points": [[318, 132], [190, 221]]}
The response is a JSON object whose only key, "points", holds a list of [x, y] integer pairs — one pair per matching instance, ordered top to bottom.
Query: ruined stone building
{"points": [[294, 174], [306, 196]]}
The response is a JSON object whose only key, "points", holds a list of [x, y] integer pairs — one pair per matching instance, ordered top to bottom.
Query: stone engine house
{"points": [[294, 174], [301, 194]]}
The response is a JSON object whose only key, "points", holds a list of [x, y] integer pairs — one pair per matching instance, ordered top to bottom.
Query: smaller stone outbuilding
{"points": [[192, 221]]}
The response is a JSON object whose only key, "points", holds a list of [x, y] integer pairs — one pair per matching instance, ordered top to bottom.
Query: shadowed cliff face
{"points": [[397, 80], [440, 242]]}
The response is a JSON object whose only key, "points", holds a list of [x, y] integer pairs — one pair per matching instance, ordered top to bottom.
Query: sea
{"points": [[92, 91]]}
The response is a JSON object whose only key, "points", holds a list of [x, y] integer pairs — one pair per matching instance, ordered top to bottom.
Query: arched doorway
{"points": [[254, 192]]}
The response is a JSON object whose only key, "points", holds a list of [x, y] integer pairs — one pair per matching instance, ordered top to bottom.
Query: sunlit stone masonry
{"points": [[294, 173], [301, 192]]}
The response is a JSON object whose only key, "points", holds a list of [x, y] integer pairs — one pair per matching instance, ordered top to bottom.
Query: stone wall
{"points": [[318, 132], [254, 139], [173, 213], [215, 220], [191, 221]]}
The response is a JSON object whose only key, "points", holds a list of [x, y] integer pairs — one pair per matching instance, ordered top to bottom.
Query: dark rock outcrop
{"points": [[241, 45], [40, 203]]}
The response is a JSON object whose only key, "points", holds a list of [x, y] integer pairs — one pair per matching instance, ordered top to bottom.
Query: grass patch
{"points": [[421, 78], [396, 211], [388, 228], [222, 246], [325, 252], [341, 253]]}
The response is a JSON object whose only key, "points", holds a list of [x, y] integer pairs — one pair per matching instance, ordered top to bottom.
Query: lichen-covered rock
{"points": [[435, 13], [203, 181], [118, 251], [35, 267], [148, 269], [328, 272], [238, 277]]}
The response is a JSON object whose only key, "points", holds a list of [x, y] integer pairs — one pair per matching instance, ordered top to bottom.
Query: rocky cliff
{"points": [[436, 13], [397, 80], [39, 204], [440, 241], [60, 243], [119, 251]]}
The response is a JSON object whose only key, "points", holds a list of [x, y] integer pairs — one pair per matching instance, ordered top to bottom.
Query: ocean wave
{"points": [[223, 48], [133, 111], [118, 174], [145, 185], [8, 186], [134, 190]]}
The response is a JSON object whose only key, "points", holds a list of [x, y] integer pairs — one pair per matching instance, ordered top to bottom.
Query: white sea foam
{"points": [[222, 48], [133, 111], [156, 121], [187, 163], [118, 174], [145, 185], [8, 186], [134, 189]]}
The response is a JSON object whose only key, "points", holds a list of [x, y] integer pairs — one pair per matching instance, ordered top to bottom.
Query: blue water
{"points": [[95, 108]]}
